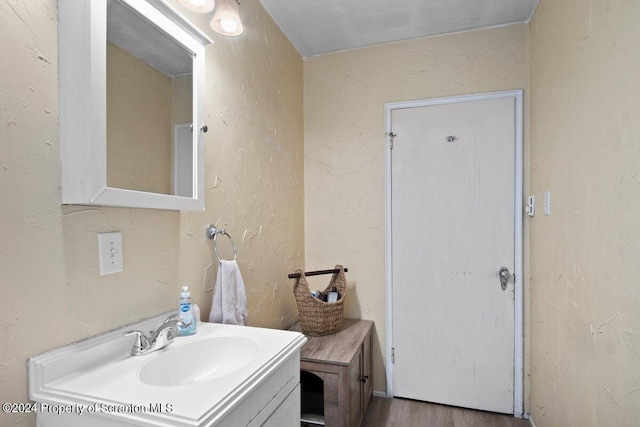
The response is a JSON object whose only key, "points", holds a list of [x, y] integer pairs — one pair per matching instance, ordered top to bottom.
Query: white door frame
{"points": [[518, 391]]}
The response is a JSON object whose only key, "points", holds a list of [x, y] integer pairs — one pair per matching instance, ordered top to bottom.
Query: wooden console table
{"points": [[342, 362]]}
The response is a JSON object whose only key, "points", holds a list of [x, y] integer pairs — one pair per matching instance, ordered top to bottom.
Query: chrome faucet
{"points": [[160, 338]]}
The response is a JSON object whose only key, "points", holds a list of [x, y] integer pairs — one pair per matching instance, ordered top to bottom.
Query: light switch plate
{"points": [[547, 202], [110, 252]]}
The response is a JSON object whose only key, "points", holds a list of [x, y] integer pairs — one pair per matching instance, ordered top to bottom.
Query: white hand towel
{"points": [[229, 298]]}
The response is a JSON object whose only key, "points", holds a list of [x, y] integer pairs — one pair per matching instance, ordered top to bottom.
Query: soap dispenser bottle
{"points": [[185, 314]]}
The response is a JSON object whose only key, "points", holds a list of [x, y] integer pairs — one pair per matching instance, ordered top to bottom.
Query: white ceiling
{"points": [[316, 27]]}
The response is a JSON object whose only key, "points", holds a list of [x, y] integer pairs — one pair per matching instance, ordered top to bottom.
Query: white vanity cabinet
{"points": [[100, 383], [276, 402], [288, 413]]}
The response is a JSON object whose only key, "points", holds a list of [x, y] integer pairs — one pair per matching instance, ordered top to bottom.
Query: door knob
{"points": [[505, 276]]}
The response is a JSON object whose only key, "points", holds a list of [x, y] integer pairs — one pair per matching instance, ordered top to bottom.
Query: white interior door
{"points": [[452, 226]]}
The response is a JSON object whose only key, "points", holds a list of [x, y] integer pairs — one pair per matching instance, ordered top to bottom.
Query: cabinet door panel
{"points": [[366, 373], [355, 389], [288, 413]]}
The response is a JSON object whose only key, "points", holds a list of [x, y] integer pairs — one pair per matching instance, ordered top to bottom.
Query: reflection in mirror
{"points": [[149, 106]]}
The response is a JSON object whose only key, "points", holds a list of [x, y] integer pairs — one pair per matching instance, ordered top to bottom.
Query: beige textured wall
{"points": [[139, 126], [344, 130], [254, 167], [51, 293], [585, 298]]}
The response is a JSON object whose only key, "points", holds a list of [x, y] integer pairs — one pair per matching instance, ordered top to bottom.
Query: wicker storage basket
{"points": [[319, 318]]}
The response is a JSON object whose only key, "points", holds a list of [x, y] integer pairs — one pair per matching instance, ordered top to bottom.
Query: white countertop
{"points": [[99, 374]]}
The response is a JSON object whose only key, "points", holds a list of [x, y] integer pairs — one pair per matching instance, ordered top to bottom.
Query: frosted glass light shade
{"points": [[200, 6], [226, 18]]}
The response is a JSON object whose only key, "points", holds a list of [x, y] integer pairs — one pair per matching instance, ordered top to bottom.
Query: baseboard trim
{"points": [[377, 393], [531, 420]]}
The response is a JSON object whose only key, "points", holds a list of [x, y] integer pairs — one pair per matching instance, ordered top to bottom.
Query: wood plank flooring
{"points": [[411, 413]]}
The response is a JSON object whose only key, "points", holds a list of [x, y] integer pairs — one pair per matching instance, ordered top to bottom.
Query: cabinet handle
{"points": [[204, 128], [364, 379]]}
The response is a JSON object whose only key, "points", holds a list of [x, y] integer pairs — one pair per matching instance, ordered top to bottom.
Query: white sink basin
{"points": [[198, 361], [223, 376]]}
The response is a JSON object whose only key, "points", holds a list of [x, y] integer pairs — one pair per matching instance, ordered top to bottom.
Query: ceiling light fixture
{"points": [[200, 6], [226, 18]]}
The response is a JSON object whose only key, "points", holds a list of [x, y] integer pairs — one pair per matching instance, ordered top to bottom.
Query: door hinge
{"points": [[391, 135], [393, 355]]}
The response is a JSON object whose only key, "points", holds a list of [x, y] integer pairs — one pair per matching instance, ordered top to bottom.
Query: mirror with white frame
{"points": [[131, 108]]}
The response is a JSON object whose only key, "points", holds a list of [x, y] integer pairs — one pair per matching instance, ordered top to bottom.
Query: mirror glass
{"points": [[149, 106]]}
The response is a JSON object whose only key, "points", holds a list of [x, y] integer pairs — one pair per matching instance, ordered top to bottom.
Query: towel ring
{"points": [[212, 233]]}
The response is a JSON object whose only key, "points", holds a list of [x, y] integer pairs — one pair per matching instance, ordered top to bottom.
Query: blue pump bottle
{"points": [[186, 313]]}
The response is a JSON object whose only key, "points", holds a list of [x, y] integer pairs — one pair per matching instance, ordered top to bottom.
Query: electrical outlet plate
{"points": [[531, 206], [110, 253]]}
